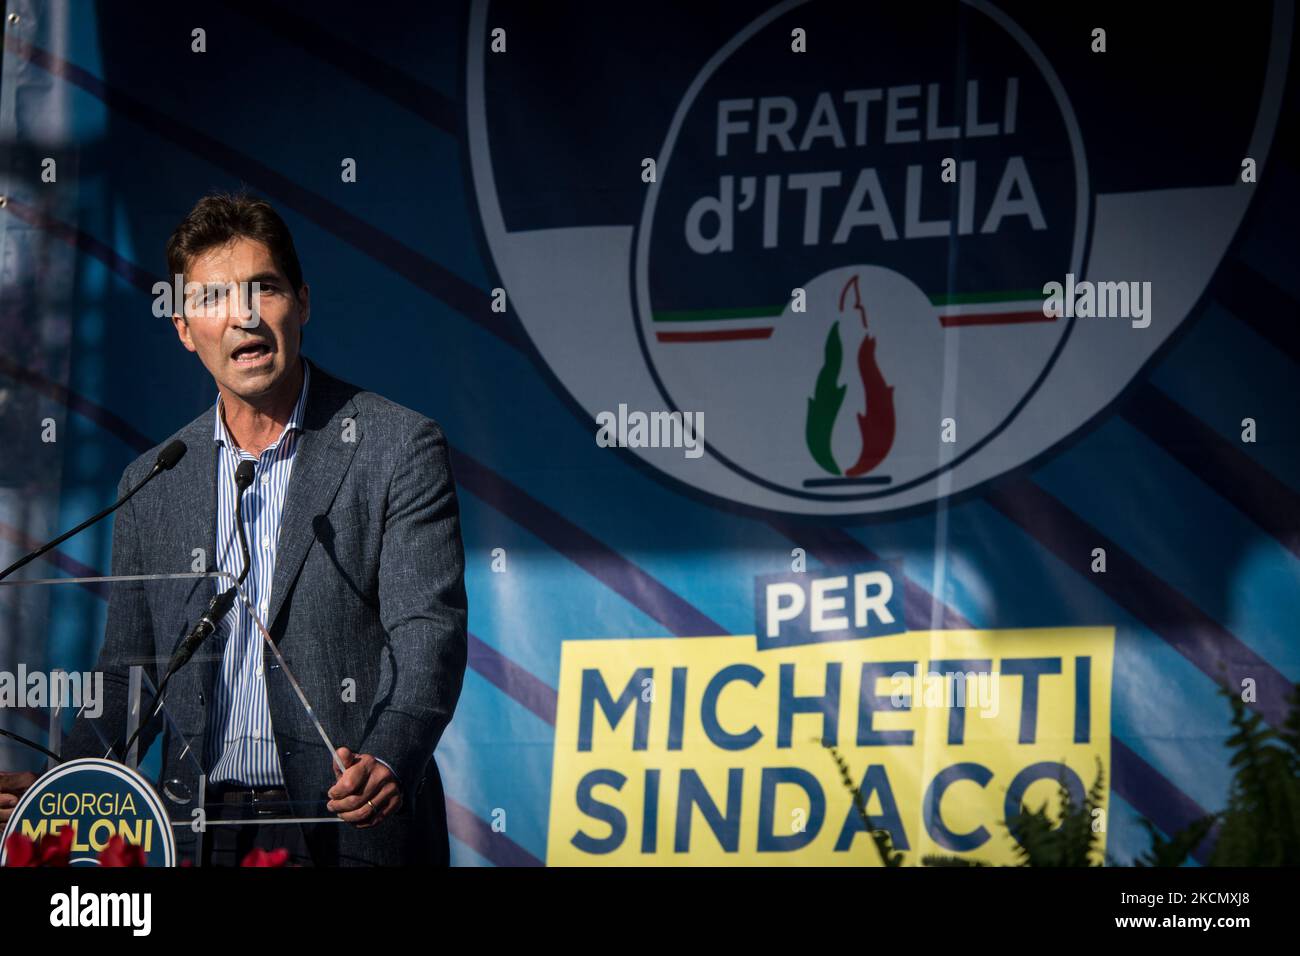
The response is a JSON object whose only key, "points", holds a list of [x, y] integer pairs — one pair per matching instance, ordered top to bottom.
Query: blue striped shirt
{"points": [[240, 743]]}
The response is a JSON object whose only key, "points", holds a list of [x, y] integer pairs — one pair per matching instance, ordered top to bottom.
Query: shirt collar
{"points": [[222, 436]]}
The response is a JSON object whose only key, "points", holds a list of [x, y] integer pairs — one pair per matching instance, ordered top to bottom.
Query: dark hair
{"points": [[219, 217]]}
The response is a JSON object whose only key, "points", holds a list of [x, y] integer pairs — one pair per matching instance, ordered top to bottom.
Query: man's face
{"points": [[247, 339]]}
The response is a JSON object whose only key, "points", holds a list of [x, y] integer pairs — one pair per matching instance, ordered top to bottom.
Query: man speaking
{"points": [[355, 564]]}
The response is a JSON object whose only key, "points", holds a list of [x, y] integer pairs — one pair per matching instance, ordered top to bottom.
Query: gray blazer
{"points": [[368, 585]]}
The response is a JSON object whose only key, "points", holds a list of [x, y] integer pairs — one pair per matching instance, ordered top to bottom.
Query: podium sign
{"points": [[98, 799]]}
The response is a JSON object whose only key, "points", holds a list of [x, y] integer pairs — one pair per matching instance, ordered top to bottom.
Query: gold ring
{"points": [[373, 807]]}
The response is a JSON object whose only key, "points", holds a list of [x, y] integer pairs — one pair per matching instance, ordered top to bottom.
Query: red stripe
{"points": [[995, 318], [720, 335]]}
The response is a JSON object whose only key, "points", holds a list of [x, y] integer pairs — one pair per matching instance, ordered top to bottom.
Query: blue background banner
{"points": [[524, 170]]}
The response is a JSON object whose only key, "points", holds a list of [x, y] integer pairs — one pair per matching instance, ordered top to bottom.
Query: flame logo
{"points": [[875, 422]]}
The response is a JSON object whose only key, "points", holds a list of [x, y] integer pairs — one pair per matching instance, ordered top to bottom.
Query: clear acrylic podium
{"points": [[49, 626]]}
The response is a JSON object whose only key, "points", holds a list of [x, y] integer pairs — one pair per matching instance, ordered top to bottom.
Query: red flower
{"points": [[53, 849], [20, 850], [121, 853], [259, 857]]}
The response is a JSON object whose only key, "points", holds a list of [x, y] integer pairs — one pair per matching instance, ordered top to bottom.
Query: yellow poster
{"points": [[709, 751]]}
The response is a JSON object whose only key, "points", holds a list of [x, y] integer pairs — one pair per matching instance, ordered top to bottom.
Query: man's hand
{"points": [[12, 786], [366, 793]]}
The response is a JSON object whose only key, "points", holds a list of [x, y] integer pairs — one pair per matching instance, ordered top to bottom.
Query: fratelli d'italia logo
{"points": [[802, 249], [840, 257]]}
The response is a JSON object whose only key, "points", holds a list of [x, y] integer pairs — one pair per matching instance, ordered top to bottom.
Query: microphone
{"points": [[167, 459], [243, 478], [221, 604], [217, 608]]}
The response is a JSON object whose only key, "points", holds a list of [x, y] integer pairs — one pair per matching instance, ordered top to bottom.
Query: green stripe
{"points": [[977, 298], [712, 315]]}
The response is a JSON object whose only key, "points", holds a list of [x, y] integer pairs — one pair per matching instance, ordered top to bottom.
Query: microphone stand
{"points": [[217, 608]]}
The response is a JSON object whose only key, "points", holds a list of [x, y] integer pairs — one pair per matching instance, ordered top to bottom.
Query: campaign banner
{"points": [[716, 750], [707, 751]]}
